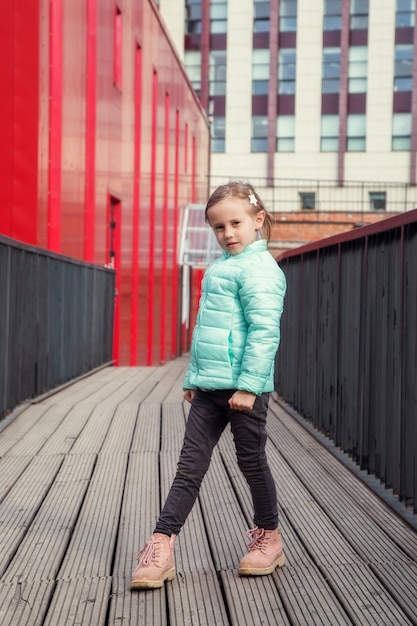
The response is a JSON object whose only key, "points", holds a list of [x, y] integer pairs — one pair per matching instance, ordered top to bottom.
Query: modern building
{"points": [[315, 102], [104, 144]]}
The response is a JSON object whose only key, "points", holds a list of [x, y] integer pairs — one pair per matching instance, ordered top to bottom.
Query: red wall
{"points": [[99, 120]]}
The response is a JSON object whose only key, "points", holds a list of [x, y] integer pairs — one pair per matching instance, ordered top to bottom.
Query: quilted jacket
{"points": [[237, 330]]}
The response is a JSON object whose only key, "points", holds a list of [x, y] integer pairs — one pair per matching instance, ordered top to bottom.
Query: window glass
{"points": [[261, 9], [359, 14], [261, 16], [332, 19], [358, 67], [403, 67], [331, 70], [260, 71], [286, 71], [217, 73], [401, 131], [285, 133], [329, 133], [356, 133], [218, 134], [259, 141], [307, 200], [377, 200]]}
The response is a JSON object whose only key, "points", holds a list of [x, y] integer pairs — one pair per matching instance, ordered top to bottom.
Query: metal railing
{"points": [[295, 194], [56, 321], [347, 359]]}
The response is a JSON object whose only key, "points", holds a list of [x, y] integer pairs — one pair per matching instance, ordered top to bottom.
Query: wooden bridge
{"points": [[83, 474]]}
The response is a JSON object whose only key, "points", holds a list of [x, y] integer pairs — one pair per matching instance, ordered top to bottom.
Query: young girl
{"points": [[230, 375]]}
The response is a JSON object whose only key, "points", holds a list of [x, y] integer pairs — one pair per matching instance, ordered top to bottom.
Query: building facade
{"points": [[313, 102], [104, 143]]}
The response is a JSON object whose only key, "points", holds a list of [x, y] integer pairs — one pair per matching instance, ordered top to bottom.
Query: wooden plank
{"points": [[173, 427], [18, 428], [119, 436], [146, 437], [62, 439], [90, 439], [21, 440], [11, 468], [370, 503], [21, 504], [340, 506], [140, 508], [90, 551], [40, 553], [401, 581], [307, 598], [196, 599], [365, 599], [253, 600], [83, 601], [24, 604], [141, 608]]}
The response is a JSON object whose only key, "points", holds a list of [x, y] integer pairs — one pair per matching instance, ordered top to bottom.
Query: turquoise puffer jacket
{"points": [[237, 329]]}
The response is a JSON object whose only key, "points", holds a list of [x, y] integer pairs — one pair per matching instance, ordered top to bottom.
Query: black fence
{"points": [[56, 321], [348, 354]]}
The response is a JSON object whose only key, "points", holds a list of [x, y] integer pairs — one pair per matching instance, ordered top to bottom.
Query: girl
{"points": [[230, 375]]}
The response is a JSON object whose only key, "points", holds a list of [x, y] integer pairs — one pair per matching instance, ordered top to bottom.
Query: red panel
{"points": [[19, 50], [6, 118], [55, 128], [72, 140], [90, 140], [136, 196], [165, 227], [175, 273], [151, 277]]}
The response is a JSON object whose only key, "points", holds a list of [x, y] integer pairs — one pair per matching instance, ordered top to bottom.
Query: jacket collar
{"points": [[257, 246]]}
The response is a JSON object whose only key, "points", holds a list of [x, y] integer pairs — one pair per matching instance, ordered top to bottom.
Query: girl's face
{"points": [[234, 224]]}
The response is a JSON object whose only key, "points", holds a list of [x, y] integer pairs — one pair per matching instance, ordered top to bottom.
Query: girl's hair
{"points": [[244, 191]]}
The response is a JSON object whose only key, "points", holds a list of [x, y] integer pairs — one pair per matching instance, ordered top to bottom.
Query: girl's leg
{"points": [[206, 422], [249, 432]]}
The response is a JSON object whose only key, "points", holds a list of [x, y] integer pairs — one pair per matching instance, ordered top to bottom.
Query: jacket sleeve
{"points": [[261, 292]]}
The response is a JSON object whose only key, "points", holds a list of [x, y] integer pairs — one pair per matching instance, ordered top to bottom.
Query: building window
{"points": [[359, 14], [405, 14], [332, 15], [218, 16], [261, 16], [288, 16], [193, 17], [192, 62], [403, 67], [358, 69], [331, 70], [260, 71], [286, 71], [217, 73], [401, 131], [259, 133], [285, 133], [329, 133], [356, 133], [218, 134], [307, 200], [377, 200]]}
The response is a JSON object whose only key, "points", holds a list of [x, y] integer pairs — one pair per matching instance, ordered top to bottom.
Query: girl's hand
{"points": [[189, 395], [242, 400]]}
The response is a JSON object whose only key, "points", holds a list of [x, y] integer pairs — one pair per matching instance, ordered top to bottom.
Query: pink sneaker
{"points": [[264, 552], [156, 563]]}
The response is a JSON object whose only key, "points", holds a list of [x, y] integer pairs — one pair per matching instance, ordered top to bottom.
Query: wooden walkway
{"points": [[83, 473]]}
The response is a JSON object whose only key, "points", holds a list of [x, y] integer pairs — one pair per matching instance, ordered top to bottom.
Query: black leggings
{"points": [[208, 417]]}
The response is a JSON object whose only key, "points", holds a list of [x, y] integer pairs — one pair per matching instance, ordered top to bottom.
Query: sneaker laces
{"points": [[150, 552]]}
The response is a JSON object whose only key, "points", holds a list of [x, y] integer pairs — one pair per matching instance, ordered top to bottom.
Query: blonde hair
{"points": [[244, 191]]}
